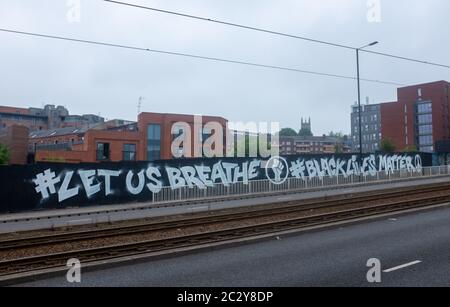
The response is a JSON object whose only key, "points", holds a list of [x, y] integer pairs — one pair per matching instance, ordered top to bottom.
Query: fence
{"points": [[291, 185]]}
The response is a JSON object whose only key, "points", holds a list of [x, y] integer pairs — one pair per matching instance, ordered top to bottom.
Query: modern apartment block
{"points": [[420, 118], [370, 127]]}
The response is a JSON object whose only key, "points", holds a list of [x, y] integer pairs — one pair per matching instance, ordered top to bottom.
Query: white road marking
{"points": [[402, 266]]}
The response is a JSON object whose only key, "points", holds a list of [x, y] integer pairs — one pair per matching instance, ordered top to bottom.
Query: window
{"points": [[424, 108], [425, 119], [425, 129], [425, 140], [153, 142], [426, 148], [103, 152], [129, 152]]}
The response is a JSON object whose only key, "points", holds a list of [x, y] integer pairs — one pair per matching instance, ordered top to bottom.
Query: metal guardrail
{"points": [[167, 194]]}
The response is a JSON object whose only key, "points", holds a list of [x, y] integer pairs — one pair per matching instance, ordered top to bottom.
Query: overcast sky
{"points": [[109, 81]]}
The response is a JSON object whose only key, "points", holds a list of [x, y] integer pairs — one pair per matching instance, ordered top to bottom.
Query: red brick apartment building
{"points": [[419, 118], [147, 140]]}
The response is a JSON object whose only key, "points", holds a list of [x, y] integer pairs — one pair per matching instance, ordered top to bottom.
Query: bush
{"points": [[387, 146], [4, 155]]}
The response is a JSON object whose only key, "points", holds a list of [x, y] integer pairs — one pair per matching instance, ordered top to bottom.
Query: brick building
{"points": [[10, 116], [48, 117], [419, 118], [157, 132], [15, 138], [147, 140], [312, 145], [87, 146]]}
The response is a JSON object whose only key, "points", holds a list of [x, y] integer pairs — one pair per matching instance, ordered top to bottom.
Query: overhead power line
{"points": [[229, 24], [275, 33], [77, 40]]}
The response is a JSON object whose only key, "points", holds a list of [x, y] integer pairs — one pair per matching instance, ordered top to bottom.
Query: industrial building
{"points": [[48, 117]]}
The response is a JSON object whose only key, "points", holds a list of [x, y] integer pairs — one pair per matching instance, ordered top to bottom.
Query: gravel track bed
{"points": [[190, 230]]}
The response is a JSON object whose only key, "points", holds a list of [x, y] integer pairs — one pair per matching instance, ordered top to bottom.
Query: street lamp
{"points": [[359, 99]]}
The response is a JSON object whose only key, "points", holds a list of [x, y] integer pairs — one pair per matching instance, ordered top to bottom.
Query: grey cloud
{"points": [[91, 79]]}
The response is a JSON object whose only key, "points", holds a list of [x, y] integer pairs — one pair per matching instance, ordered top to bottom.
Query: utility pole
{"points": [[359, 101]]}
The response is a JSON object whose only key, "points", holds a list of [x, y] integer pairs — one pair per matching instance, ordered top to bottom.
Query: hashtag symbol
{"points": [[297, 169], [45, 183]]}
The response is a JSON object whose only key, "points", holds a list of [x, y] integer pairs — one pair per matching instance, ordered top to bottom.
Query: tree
{"points": [[288, 132], [305, 132], [338, 135], [250, 142], [387, 145], [338, 148], [411, 148], [4, 155]]}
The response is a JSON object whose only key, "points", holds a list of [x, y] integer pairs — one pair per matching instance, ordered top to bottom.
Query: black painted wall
{"points": [[18, 189]]}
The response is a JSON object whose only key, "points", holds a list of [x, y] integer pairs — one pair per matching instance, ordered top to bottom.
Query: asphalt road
{"points": [[332, 257]]}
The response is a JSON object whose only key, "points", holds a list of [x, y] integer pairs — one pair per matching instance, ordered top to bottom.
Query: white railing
{"points": [[292, 185]]}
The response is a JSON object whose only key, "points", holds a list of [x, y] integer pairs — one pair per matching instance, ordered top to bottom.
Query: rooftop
{"points": [[57, 132], [312, 138]]}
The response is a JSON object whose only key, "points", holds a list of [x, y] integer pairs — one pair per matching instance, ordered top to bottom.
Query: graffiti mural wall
{"points": [[54, 185]]}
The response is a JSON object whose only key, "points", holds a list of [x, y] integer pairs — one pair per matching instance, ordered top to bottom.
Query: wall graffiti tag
{"points": [[53, 185]]}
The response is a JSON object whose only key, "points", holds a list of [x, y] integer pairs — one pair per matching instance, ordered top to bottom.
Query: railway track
{"points": [[364, 205], [259, 211]]}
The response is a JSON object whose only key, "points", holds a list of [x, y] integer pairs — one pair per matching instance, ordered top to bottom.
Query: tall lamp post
{"points": [[359, 99]]}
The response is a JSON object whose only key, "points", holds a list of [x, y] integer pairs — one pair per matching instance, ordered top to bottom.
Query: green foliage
{"points": [[288, 132], [305, 132], [338, 135], [250, 142], [387, 145], [339, 148], [411, 148], [4, 155]]}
